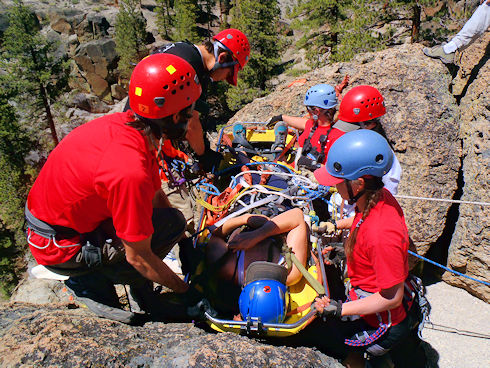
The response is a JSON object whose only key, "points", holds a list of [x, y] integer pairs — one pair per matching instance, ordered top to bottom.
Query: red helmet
{"points": [[237, 43], [162, 85], [360, 104]]}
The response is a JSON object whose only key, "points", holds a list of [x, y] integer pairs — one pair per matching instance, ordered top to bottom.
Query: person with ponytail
{"points": [[374, 317]]}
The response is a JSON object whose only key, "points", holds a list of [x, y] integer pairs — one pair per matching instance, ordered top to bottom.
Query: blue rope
{"points": [[214, 190], [448, 269]]}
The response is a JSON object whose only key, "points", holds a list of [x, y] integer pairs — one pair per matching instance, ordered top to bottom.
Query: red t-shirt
{"points": [[315, 138], [102, 169], [380, 258]]}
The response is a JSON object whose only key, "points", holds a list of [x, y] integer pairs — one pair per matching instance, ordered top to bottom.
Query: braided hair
{"points": [[373, 190]]}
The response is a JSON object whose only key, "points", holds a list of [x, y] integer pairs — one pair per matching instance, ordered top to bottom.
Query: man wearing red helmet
{"points": [[217, 60], [96, 212]]}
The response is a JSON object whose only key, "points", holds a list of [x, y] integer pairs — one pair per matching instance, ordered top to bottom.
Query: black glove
{"points": [[273, 121], [210, 159], [308, 163], [337, 254], [192, 296], [334, 309], [198, 310]]}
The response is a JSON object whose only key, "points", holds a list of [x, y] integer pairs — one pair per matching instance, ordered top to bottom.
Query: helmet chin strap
{"points": [[217, 65], [353, 198]]}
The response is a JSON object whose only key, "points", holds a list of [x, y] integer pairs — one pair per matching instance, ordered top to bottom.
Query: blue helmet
{"points": [[321, 95], [355, 154], [265, 299]]}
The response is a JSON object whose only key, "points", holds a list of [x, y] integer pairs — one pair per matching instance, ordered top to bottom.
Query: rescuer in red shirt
{"points": [[97, 213], [378, 313]]}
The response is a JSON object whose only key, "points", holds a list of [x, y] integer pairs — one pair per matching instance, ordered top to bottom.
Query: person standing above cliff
{"points": [[473, 28], [96, 212]]}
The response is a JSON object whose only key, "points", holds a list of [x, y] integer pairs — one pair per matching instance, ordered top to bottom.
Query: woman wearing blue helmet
{"points": [[318, 132], [376, 250]]}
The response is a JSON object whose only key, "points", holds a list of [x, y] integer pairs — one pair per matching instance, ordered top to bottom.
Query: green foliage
{"points": [[207, 6], [165, 17], [258, 20], [319, 20], [186, 21], [338, 30], [358, 30], [130, 36], [28, 59], [15, 143]]}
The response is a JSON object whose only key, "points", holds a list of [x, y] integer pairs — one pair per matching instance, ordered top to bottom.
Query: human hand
{"points": [[485, 1], [340, 87], [273, 121], [256, 221], [344, 223], [243, 241], [334, 254], [326, 307]]}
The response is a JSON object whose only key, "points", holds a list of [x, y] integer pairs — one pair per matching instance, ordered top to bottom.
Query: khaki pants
{"points": [[180, 199]]}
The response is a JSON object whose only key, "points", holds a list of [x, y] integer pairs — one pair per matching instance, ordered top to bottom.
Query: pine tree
{"points": [[207, 6], [414, 9], [165, 17], [318, 19], [258, 20], [186, 21], [358, 29], [130, 36], [29, 62], [15, 143]]}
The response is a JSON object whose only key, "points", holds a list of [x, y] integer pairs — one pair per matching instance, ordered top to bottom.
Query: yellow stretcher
{"points": [[299, 296], [299, 314]]}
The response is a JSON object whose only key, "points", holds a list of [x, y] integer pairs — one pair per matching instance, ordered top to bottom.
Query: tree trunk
{"points": [[416, 23], [48, 115]]}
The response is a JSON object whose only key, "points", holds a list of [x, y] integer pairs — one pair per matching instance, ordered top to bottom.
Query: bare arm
{"points": [[295, 122], [233, 223], [283, 223], [345, 223], [147, 263], [384, 300]]}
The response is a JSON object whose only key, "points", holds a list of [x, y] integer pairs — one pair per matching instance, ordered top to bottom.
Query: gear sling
{"points": [[311, 152], [91, 254]]}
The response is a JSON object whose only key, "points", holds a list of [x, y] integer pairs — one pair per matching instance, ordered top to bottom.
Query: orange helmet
{"points": [[237, 43], [162, 85], [361, 103]]}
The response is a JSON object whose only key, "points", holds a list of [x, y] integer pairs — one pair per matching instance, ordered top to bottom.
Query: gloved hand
{"points": [[270, 124], [210, 159], [336, 253], [192, 296], [327, 308], [198, 310]]}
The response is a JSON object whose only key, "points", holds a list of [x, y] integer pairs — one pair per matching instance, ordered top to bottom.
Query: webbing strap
{"points": [[46, 230], [291, 258]]}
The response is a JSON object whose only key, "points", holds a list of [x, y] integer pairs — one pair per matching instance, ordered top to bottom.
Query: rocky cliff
{"points": [[55, 336]]}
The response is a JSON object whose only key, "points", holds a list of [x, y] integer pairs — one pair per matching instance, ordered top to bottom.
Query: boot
{"points": [[437, 52], [281, 133], [99, 295]]}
